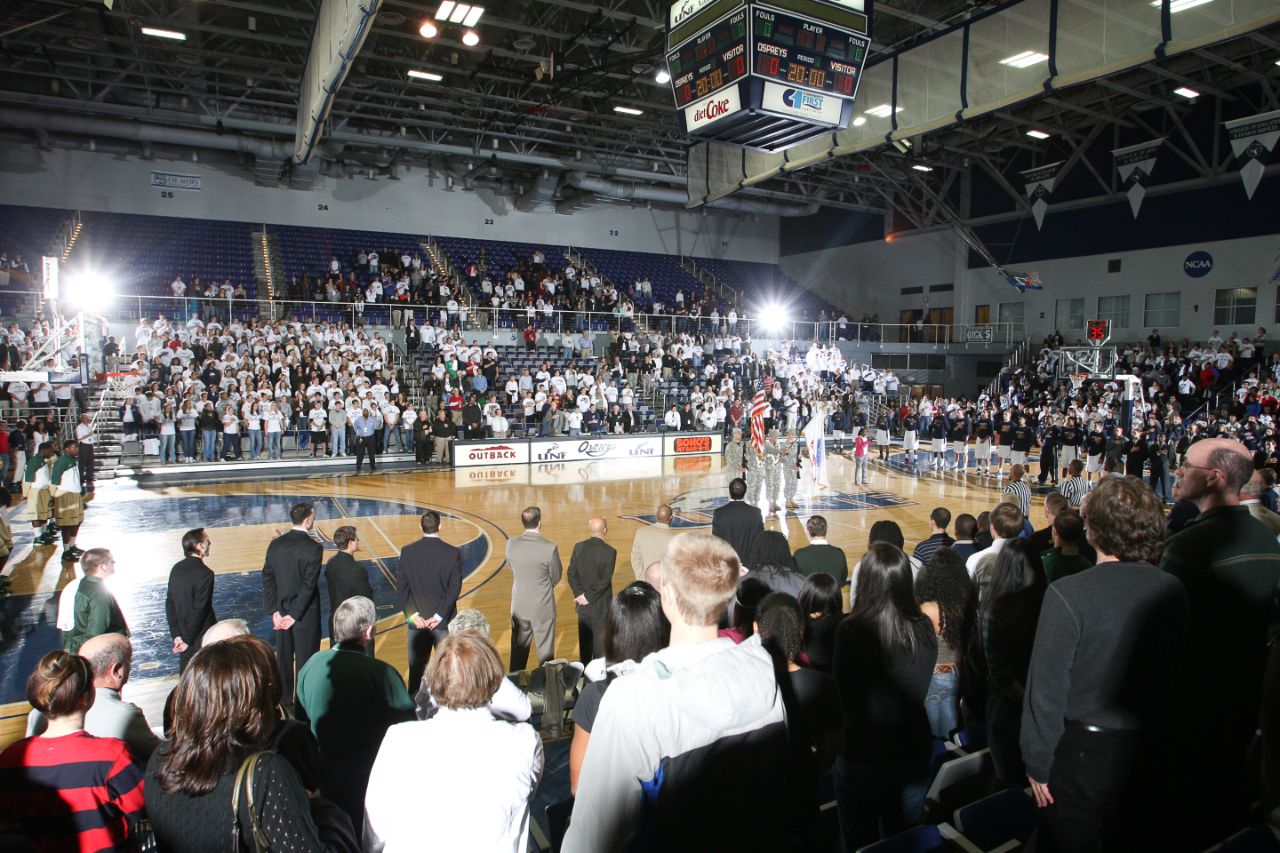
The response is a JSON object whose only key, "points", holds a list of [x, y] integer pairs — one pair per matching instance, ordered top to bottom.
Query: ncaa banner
{"points": [[1253, 137], [1135, 164], [175, 181], [1039, 184]]}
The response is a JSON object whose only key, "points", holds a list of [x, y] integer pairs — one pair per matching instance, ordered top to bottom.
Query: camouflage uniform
{"points": [[773, 450], [794, 450], [733, 453], [753, 474]]}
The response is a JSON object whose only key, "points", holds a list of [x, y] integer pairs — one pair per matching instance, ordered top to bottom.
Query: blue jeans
{"points": [[389, 431], [188, 438], [338, 441], [255, 443], [167, 444], [210, 444], [273, 445], [942, 703], [875, 801]]}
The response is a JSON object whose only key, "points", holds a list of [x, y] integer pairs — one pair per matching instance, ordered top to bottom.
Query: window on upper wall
{"points": [[1235, 306], [1115, 309], [1160, 310], [1011, 312], [1068, 314]]}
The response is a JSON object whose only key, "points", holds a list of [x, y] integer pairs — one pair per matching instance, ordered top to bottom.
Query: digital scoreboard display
{"points": [[806, 54], [710, 60], [1098, 332]]}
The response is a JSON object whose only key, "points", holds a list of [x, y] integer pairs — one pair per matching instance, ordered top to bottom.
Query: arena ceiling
{"points": [[533, 101]]}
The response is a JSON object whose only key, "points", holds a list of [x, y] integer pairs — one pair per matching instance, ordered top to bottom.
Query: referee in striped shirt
{"points": [[1074, 487], [1018, 491]]}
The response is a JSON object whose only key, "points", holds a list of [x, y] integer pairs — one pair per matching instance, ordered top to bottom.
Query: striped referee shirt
{"points": [[1074, 490], [1021, 494]]}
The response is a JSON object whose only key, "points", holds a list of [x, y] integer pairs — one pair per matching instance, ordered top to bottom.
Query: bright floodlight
{"points": [[89, 291], [773, 318]]}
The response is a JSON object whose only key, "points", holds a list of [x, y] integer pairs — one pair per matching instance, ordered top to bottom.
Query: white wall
{"points": [[113, 183], [870, 277]]}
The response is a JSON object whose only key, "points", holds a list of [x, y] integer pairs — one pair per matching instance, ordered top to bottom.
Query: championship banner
{"points": [[1252, 137], [1135, 164], [1039, 182]]}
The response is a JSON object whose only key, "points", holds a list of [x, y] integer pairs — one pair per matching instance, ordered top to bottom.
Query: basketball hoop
{"points": [[1077, 380], [122, 384]]}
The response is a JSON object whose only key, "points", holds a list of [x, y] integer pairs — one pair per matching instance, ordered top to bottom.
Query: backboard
{"points": [[1095, 361]]}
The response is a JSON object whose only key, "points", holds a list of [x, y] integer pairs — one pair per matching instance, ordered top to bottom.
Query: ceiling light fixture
{"points": [[1181, 5], [445, 10], [473, 17], [428, 30], [164, 34], [470, 38], [1025, 59], [425, 75], [663, 76], [1189, 94], [628, 111], [883, 111], [859, 121], [1037, 134], [920, 167]]}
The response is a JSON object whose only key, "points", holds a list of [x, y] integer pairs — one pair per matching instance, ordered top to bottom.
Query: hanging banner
{"points": [[1253, 137], [1135, 164], [175, 181], [1039, 182]]}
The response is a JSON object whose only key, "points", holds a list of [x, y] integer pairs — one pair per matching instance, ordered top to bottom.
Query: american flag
{"points": [[759, 405]]}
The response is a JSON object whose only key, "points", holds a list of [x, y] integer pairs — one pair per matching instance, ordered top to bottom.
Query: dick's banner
{"points": [[1253, 138], [1135, 164], [1039, 182]]}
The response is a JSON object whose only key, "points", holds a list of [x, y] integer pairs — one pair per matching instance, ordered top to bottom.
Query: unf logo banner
{"points": [[1253, 137], [1135, 164], [1039, 182]]}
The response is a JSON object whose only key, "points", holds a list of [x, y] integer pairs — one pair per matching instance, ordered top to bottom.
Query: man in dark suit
{"points": [[737, 522], [820, 555], [346, 578], [591, 579], [428, 581], [290, 592], [189, 601]]}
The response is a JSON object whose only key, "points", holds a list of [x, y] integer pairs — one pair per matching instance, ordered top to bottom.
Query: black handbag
{"points": [[244, 779]]}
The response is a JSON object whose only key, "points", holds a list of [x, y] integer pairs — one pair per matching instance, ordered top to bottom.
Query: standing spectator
{"points": [[366, 425], [86, 436], [68, 503], [737, 522], [966, 530], [938, 539], [651, 541], [1065, 557], [535, 563], [772, 563], [1229, 564], [591, 570], [345, 578], [428, 581], [290, 591], [947, 596], [189, 600], [823, 605], [94, 607], [1008, 615], [884, 659], [699, 697], [350, 701], [224, 722], [1092, 751], [488, 768], [66, 789]]}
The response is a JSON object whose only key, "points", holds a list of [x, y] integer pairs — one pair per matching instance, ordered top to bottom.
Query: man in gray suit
{"points": [[651, 541], [535, 562], [591, 580], [111, 657]]}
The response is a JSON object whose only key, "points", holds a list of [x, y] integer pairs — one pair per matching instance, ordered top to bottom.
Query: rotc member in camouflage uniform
{"points": [[773, 450], [794, 450], [735, 453], [754, 465]]}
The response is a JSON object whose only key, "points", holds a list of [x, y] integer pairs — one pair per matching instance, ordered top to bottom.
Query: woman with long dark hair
{"points": [[947, 596], [823, 605], [1008, 617], [634, 627], [884, 659], [224, 716]]}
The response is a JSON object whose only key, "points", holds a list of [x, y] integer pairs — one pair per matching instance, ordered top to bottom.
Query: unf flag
{"points": [[1253, 137], [1135, 164], [1039, 183]]}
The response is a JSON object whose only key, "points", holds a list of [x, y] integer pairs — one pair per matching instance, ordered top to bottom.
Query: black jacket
{"points": [[738, 523], [591, 570], [291, 574], [344, 578], [429, 578], [189, 602]]}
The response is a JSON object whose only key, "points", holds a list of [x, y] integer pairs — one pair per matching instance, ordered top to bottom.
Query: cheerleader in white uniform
{"points": [[910, 439]]}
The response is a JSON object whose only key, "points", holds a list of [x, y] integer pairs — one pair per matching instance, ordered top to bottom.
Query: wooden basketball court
{"points": [[143, 528]]}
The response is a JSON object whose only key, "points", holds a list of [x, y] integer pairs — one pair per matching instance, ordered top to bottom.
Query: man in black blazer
{"points": [[738, 522], [346, 578], [591, 579], [428, 582], [291, 594], [189, 601]]}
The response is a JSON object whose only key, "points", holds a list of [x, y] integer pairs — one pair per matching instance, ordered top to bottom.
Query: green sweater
{"points": [[823, 558], [96, 612]]}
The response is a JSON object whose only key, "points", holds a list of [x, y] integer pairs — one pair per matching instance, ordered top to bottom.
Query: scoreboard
{"points": [[766, 74]]}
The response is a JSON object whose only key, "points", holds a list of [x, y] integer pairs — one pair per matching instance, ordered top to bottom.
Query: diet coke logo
{"points": [[712, 111]]}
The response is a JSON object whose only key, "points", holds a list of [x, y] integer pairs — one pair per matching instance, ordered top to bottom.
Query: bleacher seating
{"points": [[27, 231], [307, 251], [663, 271], [760, 282], [994, 821]]}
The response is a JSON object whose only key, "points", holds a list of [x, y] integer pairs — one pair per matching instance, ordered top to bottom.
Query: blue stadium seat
{"points": [[991, 822], [919, 839], [1255, 839]]}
